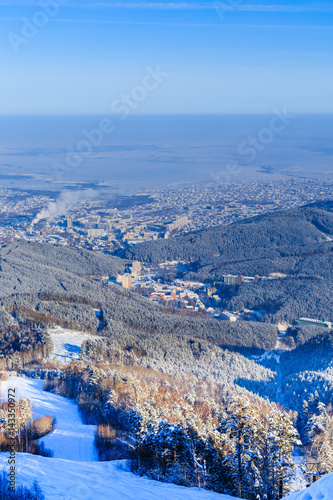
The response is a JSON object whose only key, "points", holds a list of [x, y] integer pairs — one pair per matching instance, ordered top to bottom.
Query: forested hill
{"points": [[267, 243], [32, 267], [43, 286], [309, 370]]}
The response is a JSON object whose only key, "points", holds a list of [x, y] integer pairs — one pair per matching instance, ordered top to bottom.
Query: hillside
{"points": [[274, 242], [294, 244], [32, 267], [43, 287], [284, 299], [309, 370], [150, 375], [77, 475], [84, 478]]}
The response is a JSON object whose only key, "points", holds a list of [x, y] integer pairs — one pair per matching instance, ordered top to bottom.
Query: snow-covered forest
{"points": [[185, 399]]}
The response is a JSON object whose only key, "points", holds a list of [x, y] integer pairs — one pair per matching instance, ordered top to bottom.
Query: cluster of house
{"points": [[188, 295]]}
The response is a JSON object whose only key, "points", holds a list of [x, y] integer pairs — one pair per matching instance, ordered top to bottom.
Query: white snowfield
{"points": [[67, 343], [71, 439], [75, 473], [69, 480], [320, 490]]}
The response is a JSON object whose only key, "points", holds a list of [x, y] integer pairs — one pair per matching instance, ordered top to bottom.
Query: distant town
{"points": [[111, 225], [156, 284]]}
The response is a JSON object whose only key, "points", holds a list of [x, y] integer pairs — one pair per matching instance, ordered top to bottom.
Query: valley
{"points": [[134, 375]]}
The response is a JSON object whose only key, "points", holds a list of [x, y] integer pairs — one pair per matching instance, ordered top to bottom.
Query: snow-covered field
{"points": [[67, 343], [75, 474]]}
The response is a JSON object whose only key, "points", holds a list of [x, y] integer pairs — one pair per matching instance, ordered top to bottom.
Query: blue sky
{"points": [[229, 56]]}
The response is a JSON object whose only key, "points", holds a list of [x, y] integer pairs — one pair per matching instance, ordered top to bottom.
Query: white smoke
{"points": [[66, 201]]}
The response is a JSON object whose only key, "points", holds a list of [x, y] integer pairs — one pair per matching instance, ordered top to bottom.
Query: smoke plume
{"points": [[66, 200]]}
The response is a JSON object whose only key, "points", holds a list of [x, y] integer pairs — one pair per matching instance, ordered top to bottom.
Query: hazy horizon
{"points": [[158, 150]]}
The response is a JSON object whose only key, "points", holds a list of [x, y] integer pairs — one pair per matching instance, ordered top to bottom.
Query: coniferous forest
{"points": [[186, 398]]}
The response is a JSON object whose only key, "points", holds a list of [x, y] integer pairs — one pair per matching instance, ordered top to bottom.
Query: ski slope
{"points": [[67, 343], [71, 439], [75, 473], [70, 480]]}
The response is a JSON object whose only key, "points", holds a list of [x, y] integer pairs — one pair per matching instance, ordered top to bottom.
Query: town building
{"points": [[177, 224], [137, 265], [229, 280], [126, 281], [229, 316], [315, 322]]}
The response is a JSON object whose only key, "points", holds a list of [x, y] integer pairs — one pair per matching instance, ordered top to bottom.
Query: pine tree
{"points": [[302, 420], [316, 424], [240, 430], [281, 439]]}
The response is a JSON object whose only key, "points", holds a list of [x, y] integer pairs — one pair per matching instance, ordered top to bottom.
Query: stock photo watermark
{"points": [[223, 8], [48, 10], [121, 108], [280, 120], [253, 145], [225, 176], [11, 424]]}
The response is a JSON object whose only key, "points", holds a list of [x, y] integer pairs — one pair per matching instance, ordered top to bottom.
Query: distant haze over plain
{"points": [[155, 151]]}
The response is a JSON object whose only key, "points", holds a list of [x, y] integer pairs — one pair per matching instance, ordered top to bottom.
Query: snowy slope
{"points": [[67, 343], [71, 439], [74, 473], [68, 480], [298, 481], [320, 490]]}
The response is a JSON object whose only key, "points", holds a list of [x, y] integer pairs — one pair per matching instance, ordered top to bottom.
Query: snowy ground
{"points": [[283, 327], [67, 343], [266, 356], [71, 439], [74, 473], [68, 480], [298, 481], [320, 490]]}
